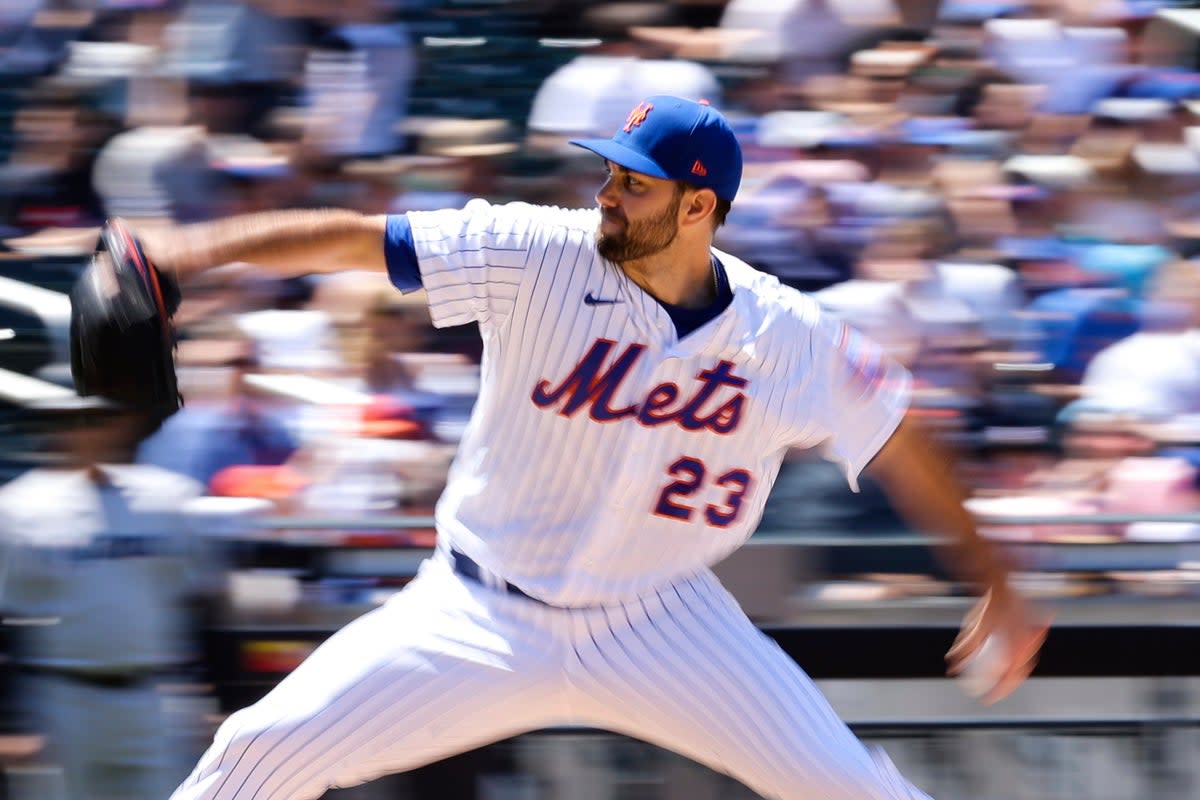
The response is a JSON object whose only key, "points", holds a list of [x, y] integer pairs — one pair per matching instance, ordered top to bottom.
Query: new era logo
{"points": [[699, 169]]}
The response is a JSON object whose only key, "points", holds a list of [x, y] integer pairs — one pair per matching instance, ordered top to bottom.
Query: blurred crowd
{"points": [[1005, 193]]}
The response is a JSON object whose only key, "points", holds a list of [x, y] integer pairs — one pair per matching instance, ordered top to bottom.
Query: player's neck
{"points": [[679, 276]]}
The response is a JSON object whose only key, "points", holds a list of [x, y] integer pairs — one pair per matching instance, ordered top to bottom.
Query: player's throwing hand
{"points": [[997, 647]]}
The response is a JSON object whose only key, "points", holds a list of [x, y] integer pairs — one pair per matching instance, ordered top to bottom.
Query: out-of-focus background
{"points": [[1005, 193]]}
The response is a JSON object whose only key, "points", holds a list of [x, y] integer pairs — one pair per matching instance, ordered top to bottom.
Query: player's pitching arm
{"points": [[284, 242], [917, 476]]}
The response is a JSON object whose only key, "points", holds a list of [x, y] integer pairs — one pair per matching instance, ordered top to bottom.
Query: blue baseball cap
{"points": [[676, 139]]}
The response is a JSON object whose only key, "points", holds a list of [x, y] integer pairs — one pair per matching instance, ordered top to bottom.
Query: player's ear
{"points": [[698, 205]]}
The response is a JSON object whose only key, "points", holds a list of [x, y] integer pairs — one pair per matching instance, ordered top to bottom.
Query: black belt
{"points": [[465, 565], [100, 680]]}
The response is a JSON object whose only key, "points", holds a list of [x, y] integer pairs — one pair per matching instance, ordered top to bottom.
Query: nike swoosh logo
{"points": [[590, 300]]}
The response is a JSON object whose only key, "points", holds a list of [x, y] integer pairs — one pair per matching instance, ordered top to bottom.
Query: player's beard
{"points": [[642, 238]]}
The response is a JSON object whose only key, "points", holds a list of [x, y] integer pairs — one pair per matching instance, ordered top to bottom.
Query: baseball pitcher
{"points": [[639, 391]]}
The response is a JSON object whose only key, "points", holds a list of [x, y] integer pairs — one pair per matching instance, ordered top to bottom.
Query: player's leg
{"points": [[443, 667], [687, 671]]}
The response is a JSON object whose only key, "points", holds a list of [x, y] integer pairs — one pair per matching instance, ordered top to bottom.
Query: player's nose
{"points": [[606, 196]]}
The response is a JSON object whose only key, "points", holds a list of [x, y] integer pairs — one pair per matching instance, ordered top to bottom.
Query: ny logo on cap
{"points": [[637, 116]]}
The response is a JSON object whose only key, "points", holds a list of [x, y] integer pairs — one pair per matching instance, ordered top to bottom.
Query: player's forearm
{"points": [[286, 242], [918, 477], [972, 557]]}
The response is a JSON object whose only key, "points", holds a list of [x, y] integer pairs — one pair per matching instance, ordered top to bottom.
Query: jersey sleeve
{"points": [[471, 260], [859, 394]]}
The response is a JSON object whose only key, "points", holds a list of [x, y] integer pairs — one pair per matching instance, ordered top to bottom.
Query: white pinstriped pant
{"points": [[448, 665]]}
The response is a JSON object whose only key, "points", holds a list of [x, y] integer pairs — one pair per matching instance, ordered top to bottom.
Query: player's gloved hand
{"points": [[122, 336], [997, 647]]}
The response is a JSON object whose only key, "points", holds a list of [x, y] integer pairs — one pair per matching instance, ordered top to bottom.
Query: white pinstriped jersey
{"points": [[606, 456]]}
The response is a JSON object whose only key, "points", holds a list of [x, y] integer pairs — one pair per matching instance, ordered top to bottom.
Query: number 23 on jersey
{"points": [[596, 380], [678, 499]]}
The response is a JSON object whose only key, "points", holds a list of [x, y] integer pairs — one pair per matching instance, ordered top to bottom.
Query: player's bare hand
{"points": [[157, 238], [1013, 632]]}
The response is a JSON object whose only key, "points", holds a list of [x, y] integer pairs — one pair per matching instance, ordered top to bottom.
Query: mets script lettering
{"points": [[594, 381]]}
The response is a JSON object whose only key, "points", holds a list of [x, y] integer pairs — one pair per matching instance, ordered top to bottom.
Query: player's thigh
{"points": [[689, 672], [432, 673]]}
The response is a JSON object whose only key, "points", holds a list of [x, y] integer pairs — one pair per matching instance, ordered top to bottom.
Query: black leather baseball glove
{"points": [[122, 337]]}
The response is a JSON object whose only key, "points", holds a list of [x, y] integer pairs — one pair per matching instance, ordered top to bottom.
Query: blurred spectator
{"points": [[16, 13], [35, 37], [802, 37], [241, 54], [1077, 66], [356, 84], [591, 94], [188, 97], [459, 159], [160, 166], [156, 172], [251, 175], [47, 180], [1001, 199], [784, 222], [994, 294], [1077, 323], [393, 329], [289, 335], [389, 348], [1153, 375], [233, 428], [376, 434], [1128, 445], [362, 455], [383, 460], [1016, 461], [98, 556]]}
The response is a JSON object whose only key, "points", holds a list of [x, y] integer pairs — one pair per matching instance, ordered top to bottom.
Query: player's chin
{"points": [[611, 247]]}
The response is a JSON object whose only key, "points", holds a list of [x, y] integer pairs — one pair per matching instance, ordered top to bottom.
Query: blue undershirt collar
{"points": [[689, 319]]}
